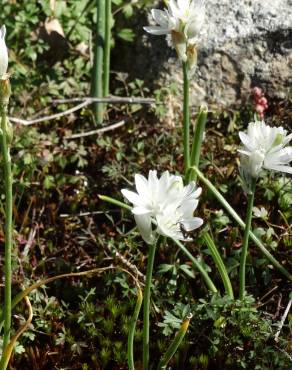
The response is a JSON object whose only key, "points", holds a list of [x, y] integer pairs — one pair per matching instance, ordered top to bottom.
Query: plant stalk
{"points": [[107, 47], [97, 73], [186, 118], [197, 142], [241, 223], [8, 225], [247, 229], [219, 263], [198, 266], [146, 306], [175, 344], [131, 363]]}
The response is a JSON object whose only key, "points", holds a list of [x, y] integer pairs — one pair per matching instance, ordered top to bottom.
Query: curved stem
{"points": [[186, 118], [236, 217], [8, 226], [245, 241], [219, 263], [198, 266], [146, 306], [132, 328], [175, 344]]}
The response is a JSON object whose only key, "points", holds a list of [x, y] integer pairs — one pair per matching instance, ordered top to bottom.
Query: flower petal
{"points": [[160, 17], [156, 30], [246, 140], [280, 168], [142, 186], [132, 197], [141, 211], [192, 223], [145, 228]]}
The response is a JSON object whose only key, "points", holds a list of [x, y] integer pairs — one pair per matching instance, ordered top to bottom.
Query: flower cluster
{"points": [[182, 22], [3, 53], [260, 101], [265, 147], [166, 203]]}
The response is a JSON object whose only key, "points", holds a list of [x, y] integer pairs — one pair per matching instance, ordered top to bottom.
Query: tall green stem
{"points": [[107, 47], [97, 75], [186, 118], [197, 142], [241, 223], [8, 224], [245, 240], [219, 263], [198, 266], [146, 306], [132, 328]]}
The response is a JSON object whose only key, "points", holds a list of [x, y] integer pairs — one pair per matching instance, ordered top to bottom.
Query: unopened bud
{"points": [[180, 43], [192, 56], [5, 90], [257, 92], [259, 109], [9, 131]]}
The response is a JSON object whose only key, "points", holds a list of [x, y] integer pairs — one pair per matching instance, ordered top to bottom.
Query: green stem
{"points": [[107, 47], [97, 75], [186, 118], [197, 142], [115, 202], [241, 223], [8, 227], [245, 241], [196, 263], [219, 263], [198, 266], [146, 306], [132, 328], [174, 345]]}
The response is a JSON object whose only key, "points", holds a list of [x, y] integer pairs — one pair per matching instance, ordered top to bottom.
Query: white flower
{"points": [[182, 22], [3, 52], [265, 147], [167, 203], [260, 212]]}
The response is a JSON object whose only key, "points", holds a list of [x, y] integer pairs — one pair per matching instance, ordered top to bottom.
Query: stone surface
{"points": [[246, 43]]}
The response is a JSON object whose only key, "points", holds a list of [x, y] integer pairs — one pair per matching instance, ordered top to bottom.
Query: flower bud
{"points": [[180, 45], [3, 53], [192, 56], [5, 91], [257, 92], [264, 102], [259, 108], [8, 131]]}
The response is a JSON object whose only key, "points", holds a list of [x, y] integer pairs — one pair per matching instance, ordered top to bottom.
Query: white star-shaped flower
{"points": [[182, 22], [265, 147], [166, 203]]}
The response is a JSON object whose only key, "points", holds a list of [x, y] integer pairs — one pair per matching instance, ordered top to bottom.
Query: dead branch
{"points": [[85, 103], [96, 132]]}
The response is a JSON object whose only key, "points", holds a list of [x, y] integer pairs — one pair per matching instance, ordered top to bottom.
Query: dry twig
{"points": [[84, 103], [96, 132], [283, 320]]}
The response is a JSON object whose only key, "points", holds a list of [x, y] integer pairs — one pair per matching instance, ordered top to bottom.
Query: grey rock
{"points": [[246, 43]]}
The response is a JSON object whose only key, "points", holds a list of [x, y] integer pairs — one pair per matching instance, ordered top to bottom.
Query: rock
{"points": [[246, 43]]}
